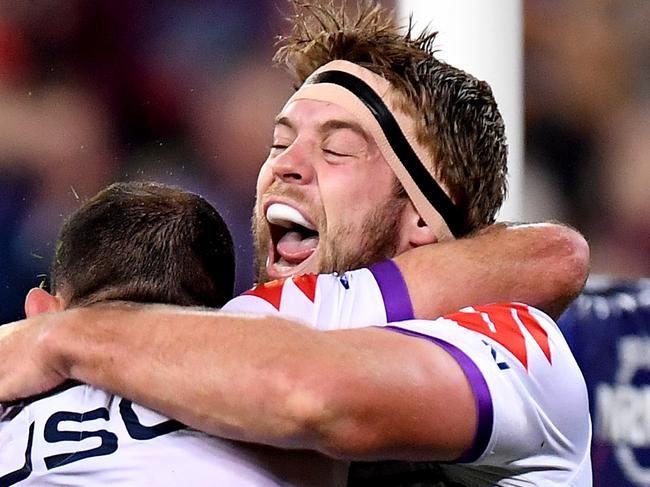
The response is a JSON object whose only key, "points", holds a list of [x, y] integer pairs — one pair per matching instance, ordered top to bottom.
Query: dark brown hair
{"points": [[456, 115], [147, 243]]}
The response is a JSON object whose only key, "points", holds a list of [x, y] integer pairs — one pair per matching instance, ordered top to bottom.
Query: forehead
{"points": [[315, 113]]}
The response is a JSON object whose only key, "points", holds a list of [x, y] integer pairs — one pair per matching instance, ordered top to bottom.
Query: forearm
{"points": [[544, 265], [199, 368], [271, 381]]}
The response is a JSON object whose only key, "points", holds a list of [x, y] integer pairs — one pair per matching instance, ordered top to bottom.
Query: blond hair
{"points": [[456, 116]]}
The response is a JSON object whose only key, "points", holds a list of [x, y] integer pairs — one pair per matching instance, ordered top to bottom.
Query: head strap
{"points": [[368, 96]]}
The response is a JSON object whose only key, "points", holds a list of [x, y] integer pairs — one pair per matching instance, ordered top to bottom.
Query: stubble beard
{"points": [[261, 239], [345, 247]]}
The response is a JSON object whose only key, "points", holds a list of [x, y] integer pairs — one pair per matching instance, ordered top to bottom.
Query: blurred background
{"points": [[96, 91], [184, 92]]}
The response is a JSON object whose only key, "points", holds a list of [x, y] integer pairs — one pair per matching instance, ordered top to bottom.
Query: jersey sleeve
{"points": [[364, 297], [530, 394]]}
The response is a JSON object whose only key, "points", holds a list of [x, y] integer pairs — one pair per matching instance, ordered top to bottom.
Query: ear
{"points": [[415, 231], [40, 301]]}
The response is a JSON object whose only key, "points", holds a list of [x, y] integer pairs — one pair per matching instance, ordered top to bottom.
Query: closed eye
{"points": [[277, 149], [334, 153]]}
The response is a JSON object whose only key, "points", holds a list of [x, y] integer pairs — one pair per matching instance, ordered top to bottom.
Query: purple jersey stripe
{"points": [[397, 301], [479, 387]]}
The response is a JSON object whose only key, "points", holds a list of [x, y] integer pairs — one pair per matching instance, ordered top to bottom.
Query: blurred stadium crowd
{"points": [[184, 92]]}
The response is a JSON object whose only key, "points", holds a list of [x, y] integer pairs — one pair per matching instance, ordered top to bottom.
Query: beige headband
{"points": [[319, 87]]}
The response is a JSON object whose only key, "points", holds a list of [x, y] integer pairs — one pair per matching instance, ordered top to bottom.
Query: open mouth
{"points": [[294, 240]]}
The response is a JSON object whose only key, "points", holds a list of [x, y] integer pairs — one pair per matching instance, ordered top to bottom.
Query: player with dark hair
{"points": [[146, 243], [131, 244], [492, 390]]}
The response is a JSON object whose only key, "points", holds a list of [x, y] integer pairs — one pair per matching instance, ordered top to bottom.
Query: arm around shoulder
{"points": [[563, 264], [544, 265], [356, 394]]}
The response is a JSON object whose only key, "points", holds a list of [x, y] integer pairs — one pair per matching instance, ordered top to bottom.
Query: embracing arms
{"points": [[544, 265], [267, 380], [357, 394]]}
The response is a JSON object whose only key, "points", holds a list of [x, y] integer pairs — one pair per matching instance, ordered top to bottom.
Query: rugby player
{"points": [[382, 149], [136, 243]]}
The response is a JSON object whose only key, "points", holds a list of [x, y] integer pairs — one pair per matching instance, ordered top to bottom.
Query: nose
{"points": [[294, 164]]}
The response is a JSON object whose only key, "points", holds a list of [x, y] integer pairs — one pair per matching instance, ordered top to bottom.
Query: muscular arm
{"points": [[544, 265], [275, 382], [357, 394]]}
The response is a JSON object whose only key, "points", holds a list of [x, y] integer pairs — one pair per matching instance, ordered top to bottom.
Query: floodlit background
{"points": [[184, 92]]}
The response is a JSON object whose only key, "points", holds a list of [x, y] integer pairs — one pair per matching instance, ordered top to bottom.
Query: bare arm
{"points": [[544, 265], [275, 382], [357, 394]]}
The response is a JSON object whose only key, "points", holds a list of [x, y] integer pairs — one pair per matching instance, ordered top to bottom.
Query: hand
{"points": [[24, 367]]}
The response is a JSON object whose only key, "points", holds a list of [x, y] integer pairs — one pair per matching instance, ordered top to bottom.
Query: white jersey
{"points": [[364, 297], [533, 414], [533, 426], [83, 436]]}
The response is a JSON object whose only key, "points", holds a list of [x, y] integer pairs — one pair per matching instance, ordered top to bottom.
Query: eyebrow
{"points": [[282, 120], [332, 125], [326, 127]]}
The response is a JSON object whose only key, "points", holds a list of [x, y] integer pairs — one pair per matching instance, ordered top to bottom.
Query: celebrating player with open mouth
{"points": [[384, 152]]}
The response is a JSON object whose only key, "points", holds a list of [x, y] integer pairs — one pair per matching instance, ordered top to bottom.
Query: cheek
{"points": [[350, 194], [351, 201], [336, 205], [345, 217]]}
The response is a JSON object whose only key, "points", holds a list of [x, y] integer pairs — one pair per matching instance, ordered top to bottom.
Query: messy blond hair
{"points": [[456, 116]]}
